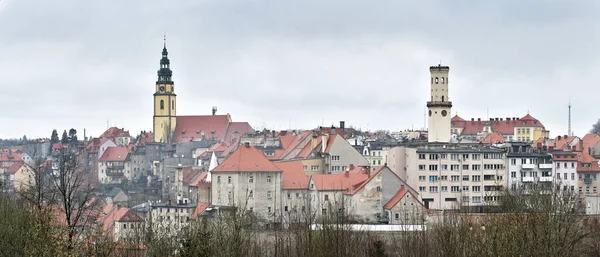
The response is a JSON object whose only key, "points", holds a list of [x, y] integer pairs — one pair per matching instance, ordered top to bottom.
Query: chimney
{"points": [[214, 110], [472, 119], [501, 119], [479, 120], [343, 127], [333, 130], [559, 138], [313, 141], [324, 142], [247, 144], [545, 148], [550, 148], [574, 148], [351, 167], [347, 173], [401, 187]]}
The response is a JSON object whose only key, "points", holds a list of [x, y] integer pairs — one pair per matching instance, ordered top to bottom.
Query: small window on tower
{"points": [[436, 80], [442, 80], [162, 104], [172, 104]]}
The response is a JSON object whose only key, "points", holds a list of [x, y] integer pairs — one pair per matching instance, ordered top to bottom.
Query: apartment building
{"points": [[528, 166], [565, 168], [457, 176]]}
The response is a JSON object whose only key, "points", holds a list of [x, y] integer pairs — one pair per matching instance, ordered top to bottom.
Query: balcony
{"points": [[528, 166], [546, 166], [116, 167], [114, 174], [527, 179], [545, 179], [587, 180]]}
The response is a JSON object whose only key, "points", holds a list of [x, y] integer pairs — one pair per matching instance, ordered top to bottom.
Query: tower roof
{"points": [[165, 73]]}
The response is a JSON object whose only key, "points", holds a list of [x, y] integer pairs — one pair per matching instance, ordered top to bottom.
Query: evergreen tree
{"points": [[72, 135], [54, 137], [65, 138], [25, 139]]}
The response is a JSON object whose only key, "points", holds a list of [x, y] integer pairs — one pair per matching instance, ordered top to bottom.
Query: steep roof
{"points": [[113, 132], [561, 141], [589, 141], [114, 154], [585, 158], [246, 159], [12, 169], [293, 176], [114, 192], [397, 197], [200, 208]]}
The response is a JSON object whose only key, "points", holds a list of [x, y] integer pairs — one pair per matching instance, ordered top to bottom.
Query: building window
{"points": [[437, 80], [162, 104], [422, 156], [335, 157], [305, 167], [422, 167], [314, 168], [335, 168], [422, 178], [433, 178], [465, 178], [218, 179], [229, 179], [251, 179], [268, 179], [444, 188], [476, 188], [378, 189], [422, 189], [433, 189], [250, 194], [269, 196], [289, 196], [326, 197], [378, 202], [285, 208], [269, 209], [324, 212], [397, 216]]}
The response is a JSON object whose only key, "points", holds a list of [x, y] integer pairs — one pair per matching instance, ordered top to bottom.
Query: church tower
{"points": [[165, 101], [439, 106]]}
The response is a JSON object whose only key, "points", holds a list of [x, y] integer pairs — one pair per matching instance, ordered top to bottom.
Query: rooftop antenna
{"points": [[165, 40], [570, 132]]}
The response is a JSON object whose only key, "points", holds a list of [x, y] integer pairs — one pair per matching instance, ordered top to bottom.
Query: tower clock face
{"points": [[162, 88], [444, 113]]}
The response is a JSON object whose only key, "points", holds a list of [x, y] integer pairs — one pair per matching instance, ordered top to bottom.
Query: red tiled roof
{"points": [[456, 118], [217, 127], [504, 127], [113, 132], [493, 138], [589, 141], [561, 142], [114, 154], [569, 156], [585, 158], [246, 159], [14, 168], [190, 174], [293, 176], [198, 179], [341, 181], [397, 197], [200, 207]]}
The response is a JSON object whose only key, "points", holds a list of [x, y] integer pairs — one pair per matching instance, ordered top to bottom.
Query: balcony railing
{"points": [[545, 165], [528, 166], [116, 167], [114, 174], [527, 179], [545, 179], [587, 180]]}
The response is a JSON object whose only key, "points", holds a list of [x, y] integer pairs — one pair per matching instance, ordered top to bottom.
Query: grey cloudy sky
{"points": [[73, 63]]}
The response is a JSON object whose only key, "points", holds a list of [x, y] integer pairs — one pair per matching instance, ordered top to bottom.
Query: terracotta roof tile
{"points": [[217, 127], [504, 127], [113, 132], [493, 138], [589, 141], [114, 154], [585, 158], [246, 159], [14, 168], [293, 176], [341, 181], [397, 197], [200, 208]]}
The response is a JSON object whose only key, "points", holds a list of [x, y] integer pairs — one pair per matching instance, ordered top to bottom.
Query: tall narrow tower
{"points": [[165, 101], [439, 107], [570, 118]]}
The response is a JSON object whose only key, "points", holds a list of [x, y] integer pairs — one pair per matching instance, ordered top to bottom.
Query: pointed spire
{"points": [[165, 40], [164, 73]]}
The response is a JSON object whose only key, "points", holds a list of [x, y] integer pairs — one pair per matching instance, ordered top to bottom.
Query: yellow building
{"points": [[165, 102]]}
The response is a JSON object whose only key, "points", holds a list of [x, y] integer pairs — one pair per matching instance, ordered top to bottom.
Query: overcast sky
{"points": [[83, 64]]}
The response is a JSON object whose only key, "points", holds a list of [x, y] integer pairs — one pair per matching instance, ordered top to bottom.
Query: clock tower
{"points": [[165, 101], [439, 106]]}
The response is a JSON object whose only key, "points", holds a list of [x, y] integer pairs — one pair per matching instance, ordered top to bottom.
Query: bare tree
{"points": [[596, 128], [74, 193]]}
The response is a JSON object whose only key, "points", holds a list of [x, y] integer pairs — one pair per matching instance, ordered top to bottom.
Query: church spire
{"points": [[165, 73]]}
